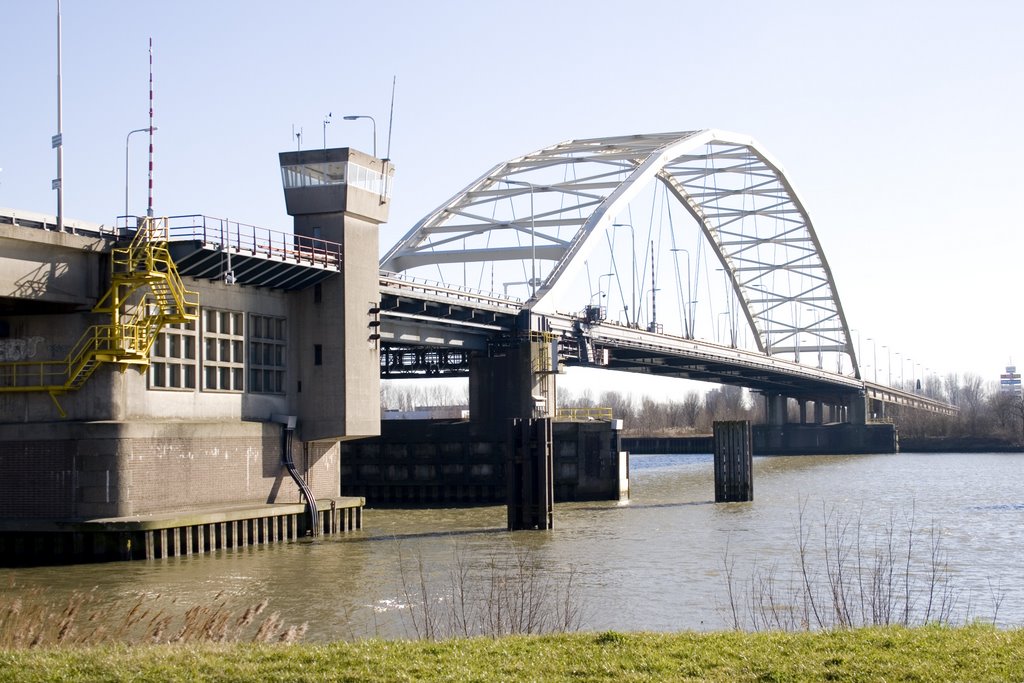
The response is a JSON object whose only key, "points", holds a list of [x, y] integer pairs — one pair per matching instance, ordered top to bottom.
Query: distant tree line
{"points": [[984, 411]]}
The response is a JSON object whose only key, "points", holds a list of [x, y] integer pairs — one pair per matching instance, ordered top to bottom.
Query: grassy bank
{"points": [[973, 653]]}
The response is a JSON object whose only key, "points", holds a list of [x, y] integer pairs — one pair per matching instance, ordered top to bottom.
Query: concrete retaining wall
{"points": [[430, 462], [110, 469]]}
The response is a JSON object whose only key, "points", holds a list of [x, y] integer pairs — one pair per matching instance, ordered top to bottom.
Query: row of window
{"points": [[335, 173], [174, 363]]}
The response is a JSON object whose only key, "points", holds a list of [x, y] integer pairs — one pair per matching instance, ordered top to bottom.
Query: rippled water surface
{"points": [[654, 563]]}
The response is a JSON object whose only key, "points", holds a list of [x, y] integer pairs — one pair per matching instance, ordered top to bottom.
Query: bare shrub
{"points": [[844, 575], [497, 595]]}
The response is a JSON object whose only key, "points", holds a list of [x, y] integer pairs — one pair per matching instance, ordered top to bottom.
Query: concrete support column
{"points": [[514, 389], [775, 409], [857, 409], [803, 410], [819, 412]]}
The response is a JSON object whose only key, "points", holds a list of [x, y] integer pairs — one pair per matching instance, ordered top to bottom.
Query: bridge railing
{"points": [[222, 233], [447, 291], [587, 414]]}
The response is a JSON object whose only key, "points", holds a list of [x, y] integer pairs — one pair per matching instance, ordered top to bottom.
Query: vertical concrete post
{"points": [[802, 404], [775, 409], [857, 409], [819, 412], [734, 462], [528, 475]]}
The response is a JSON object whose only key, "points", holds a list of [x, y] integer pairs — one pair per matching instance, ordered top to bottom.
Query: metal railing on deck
{"points": [[249, 239], [594, 413]]}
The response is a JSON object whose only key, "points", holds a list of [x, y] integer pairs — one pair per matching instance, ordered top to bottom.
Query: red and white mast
{"points": [[149, 209]]}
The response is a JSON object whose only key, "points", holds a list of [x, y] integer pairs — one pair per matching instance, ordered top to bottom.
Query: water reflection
{"points": [[655, 563]]}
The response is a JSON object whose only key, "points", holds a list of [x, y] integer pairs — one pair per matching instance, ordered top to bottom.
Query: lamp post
{"points": [[353, 117], [327, 119], [126, 139], [607, 275], [632, 286], [689, 296], [874, 357], [888, 362]]}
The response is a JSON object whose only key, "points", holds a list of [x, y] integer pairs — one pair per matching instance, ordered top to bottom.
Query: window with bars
{"points": [[267, 348], [224, 351], [173, 358]]}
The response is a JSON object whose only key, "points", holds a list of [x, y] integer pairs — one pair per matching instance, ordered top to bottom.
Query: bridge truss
{"points": [[545, 213]]}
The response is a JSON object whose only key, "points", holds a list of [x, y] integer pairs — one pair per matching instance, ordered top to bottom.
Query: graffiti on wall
{"points": [[14, 350]]}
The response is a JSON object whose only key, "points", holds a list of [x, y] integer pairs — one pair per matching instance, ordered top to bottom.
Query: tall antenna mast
{"points": [[391, 116], [58, 139], [149, 209]]}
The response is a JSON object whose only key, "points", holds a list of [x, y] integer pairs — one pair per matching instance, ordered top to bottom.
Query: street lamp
{"points": [[353, 117], [327, 119], [126, 139], [607, 275], [632, 286], [874, 357], [888, 363]]}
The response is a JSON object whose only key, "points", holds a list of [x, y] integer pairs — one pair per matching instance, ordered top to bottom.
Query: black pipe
{"points": [[307, 493]]}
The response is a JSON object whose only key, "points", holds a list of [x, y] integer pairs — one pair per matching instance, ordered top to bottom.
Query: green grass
{"points": [[930, 653]]}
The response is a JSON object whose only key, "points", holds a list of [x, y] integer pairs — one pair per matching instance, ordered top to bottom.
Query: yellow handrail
{"points": [[145, 263], [595, 413]]}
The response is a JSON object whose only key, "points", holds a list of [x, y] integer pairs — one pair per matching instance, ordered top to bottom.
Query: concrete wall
{"points": [[48, 267], [425, 461], [86, 471]]}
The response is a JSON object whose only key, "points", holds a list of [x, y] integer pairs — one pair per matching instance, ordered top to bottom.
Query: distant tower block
{"points": [[338, 195]]}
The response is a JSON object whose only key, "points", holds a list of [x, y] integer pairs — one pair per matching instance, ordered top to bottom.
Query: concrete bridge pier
{"points": [[513, 389], [776, 409], [856, 409]]}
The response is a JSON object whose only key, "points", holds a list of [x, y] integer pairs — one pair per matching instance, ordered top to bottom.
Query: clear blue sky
{"points": [[897, 121]]}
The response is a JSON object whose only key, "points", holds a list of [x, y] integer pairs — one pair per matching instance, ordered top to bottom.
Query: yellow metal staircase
{"points": [[146, 292]]}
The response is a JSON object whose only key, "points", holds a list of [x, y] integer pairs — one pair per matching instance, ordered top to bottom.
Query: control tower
{"points": [[340, 195]]}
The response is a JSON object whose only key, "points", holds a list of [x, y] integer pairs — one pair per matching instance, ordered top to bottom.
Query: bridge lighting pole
{"points": [[353, 117], [126, 139], [632, 286], [599, 290], [874, 357], [898, 358], [888, 363]]}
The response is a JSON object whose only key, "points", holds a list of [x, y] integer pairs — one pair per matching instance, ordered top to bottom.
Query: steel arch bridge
{"points": [[569, 196]]}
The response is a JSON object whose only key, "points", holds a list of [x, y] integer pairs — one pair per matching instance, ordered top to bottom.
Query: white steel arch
{"points": [[571, 194]]}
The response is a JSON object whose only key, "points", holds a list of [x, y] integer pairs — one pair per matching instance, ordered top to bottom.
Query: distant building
{"points": [[1009, 381]]}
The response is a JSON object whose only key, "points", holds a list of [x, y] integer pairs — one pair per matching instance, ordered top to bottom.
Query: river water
{"points": [[657, 562]]}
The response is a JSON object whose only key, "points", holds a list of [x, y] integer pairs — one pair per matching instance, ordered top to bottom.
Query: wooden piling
{"points": [[734, 462]]}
